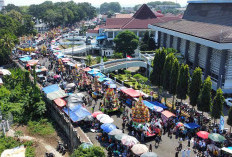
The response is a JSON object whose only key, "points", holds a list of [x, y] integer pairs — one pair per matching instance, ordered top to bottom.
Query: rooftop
{"points": [[139, 20], [212, 32]]}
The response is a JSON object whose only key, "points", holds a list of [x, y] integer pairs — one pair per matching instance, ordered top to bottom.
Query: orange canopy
{"points": [[32, 62], [60, 102], [168, 114]]}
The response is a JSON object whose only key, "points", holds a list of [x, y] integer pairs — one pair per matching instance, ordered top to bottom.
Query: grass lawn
{"points": [[42, 127]]}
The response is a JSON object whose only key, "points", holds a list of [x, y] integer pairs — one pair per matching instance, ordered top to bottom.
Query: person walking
{"points": [[150, 148], [188, 152], [183, 153]]}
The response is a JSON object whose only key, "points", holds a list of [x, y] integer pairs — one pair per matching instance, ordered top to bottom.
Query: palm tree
{"points": [[8, 43], [89, 60]]}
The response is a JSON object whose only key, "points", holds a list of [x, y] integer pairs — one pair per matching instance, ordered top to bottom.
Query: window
{"points": [[110, 34], [141, 34]]}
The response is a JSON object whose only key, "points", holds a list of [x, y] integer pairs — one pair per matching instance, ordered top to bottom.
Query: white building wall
{"points": [[175, 39], [162, 40], [168, 41], [182, 46], [192, 49], [108, 52], [202, 56], [215, 61], [228, 72]]}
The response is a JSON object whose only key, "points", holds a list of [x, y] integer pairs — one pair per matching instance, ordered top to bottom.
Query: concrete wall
{"points": [[64, 124]]}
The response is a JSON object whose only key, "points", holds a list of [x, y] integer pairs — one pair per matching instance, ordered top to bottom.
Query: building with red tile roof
{"points": [[138, 23]]}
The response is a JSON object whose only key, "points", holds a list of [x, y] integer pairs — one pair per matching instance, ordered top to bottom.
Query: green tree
{"points": [[113, 7], [145, 37], [126, 42], [151, 43], [98, 58], [89, 60], [158, 64], [166, 72], [174, 79], [183, 82], [195, 86], [204, 100], [217, 105], [229, 120], [94, 151]]}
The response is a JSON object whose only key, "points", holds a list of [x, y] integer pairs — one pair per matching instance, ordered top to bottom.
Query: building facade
{"points": [[204, 38]]}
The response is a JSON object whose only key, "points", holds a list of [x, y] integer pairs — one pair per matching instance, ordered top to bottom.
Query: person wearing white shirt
{"points": [[188, 152], [183, 153]]}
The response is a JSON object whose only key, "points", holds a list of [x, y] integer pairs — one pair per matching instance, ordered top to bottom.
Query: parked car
{"points": [[228, 102]]}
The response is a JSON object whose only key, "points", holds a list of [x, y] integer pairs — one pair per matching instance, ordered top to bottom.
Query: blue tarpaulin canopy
{"points": [[101, 37], [26, 58], [93, 71], [98, 74], [100, 79], [109, 82], [113, 86], [50, 89], [156, 103], [152, 106], [77, 113], [191, 125], [108, 127]]}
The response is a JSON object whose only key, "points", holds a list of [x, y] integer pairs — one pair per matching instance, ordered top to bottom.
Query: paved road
{"points": [[118, 63]]}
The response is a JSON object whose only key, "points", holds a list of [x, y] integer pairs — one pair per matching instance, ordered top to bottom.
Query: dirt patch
{"points": [[40, 149]]}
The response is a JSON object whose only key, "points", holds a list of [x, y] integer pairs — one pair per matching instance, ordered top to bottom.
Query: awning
{"points": [[101, 37], [25, 59], [32, 62], [87, 69], [98, 74], [51, 88], [131, 92], [57, 94], [60, 102], [156, 103], [152, 106], [77, 112], [168, 114], [191, 125], [227, 150]]}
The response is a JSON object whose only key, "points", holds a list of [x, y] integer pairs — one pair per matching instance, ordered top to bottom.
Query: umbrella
{"points": [[56, 76], [108, 82], [70, 85], [113, 86], [96, 113], [100, 116], [88, 118], [106, 120], [179, 124], [108, 127], [115, 132], [203, 134], [119, 136], [216, 137], [129, 140], [86, 145], [139, 149], [149, 154]]}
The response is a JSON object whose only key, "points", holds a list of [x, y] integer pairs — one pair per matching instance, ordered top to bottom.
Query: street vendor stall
{"points": [[130, 94], [166, 115]]}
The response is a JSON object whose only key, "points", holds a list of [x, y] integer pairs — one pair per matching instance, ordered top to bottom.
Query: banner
{"points": [[221, 127]]}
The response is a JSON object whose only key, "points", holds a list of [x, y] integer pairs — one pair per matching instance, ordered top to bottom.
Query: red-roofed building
{"points": [[138, 23]]}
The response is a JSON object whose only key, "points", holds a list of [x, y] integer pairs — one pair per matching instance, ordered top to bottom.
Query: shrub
{"points": [[118, 55], [42, 127], [94, 151]]}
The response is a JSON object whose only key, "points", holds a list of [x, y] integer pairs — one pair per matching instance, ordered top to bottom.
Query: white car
{"points": [[228, 102]]}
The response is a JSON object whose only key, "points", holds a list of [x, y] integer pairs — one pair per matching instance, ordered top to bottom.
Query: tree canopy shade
{"points": [[112, 7], [126, 42], [147, 43], [158, 64], [174, 76], [183, 82], [195, 86], [204, 100], [217, 106], [94, 151]]}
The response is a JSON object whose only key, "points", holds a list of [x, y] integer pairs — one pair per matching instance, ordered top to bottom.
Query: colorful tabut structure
{"points": [[84, 80], [110, 101], [140, 113]]}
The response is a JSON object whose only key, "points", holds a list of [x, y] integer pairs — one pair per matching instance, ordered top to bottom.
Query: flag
{"points": [[128, 57]]}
